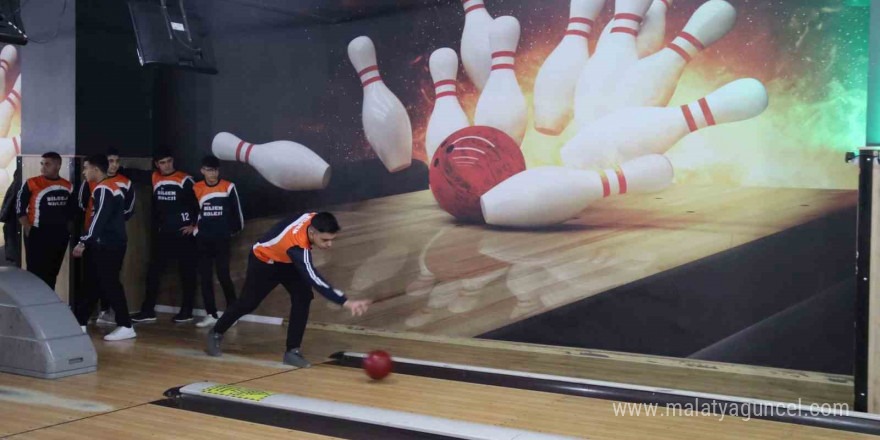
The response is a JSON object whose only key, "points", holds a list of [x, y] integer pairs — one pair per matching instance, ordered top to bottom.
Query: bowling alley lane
{"points": [[252, 352], [518, 409]]}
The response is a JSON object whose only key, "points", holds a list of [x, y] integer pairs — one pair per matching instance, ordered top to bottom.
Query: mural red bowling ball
{"points": [[468, 163]]}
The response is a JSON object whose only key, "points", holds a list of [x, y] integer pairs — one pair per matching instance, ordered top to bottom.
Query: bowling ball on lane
{"points": [[468, 163], [377, 364]]}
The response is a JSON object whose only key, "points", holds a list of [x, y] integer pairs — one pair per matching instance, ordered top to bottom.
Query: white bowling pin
{"points": [[653, 30], [475, 52], [617, 53], [8, 58], [558, 76], [652, 81], [502, 104], [9, 106], [447, 116], [386, 123], [633, 132], [9, 149], [285, 164], [550, 195]]}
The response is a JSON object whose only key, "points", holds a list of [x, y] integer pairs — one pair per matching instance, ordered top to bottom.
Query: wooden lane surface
{"points": [[433, 276], [265, 343], [164, 355], [131, 373], [706, 377], [530, 410], [156, 422]]}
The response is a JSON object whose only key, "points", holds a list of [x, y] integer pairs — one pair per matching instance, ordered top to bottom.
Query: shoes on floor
{"points": [[142, 316], [106, 317], [181, 317], [208, 321], [120, 334], [213, 344], [295, 358]]}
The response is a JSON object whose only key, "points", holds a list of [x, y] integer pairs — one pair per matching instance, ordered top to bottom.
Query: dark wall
{"points": [[48, 77], [114, 94]]}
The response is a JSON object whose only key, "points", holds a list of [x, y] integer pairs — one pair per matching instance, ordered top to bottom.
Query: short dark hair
{"points": [[112, 152], [162, 154], [52, 155], [99, 161], [210, 161], [325, 223]]}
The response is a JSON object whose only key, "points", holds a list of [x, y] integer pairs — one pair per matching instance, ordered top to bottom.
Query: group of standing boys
{"points": [[189, 221]]}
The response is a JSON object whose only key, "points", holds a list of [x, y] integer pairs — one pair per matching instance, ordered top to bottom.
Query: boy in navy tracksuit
{"points": [[44, 208], [174, 218], [219, 219], [103, 248], [105, 315]]}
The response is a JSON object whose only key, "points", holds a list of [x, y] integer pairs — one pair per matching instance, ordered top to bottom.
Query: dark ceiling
{"points": [[334, 11], [232, 15]]}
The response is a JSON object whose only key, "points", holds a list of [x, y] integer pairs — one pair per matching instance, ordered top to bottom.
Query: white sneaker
{"points": [[106, 318], [208, 321], [84, 329], [120, 333]]}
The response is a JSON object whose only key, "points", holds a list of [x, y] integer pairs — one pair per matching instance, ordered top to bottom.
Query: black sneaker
{"points": [[140, 317], [182, 317], [213, 344], [294, 357]]}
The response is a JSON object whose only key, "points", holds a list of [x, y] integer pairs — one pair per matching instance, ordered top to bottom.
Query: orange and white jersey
{"points": [[46, 202], [219, 209], [288, 243]]}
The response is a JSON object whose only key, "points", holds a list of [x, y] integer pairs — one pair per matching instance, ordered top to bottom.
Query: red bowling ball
{"points": [[468, 163], [377, 364]]}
